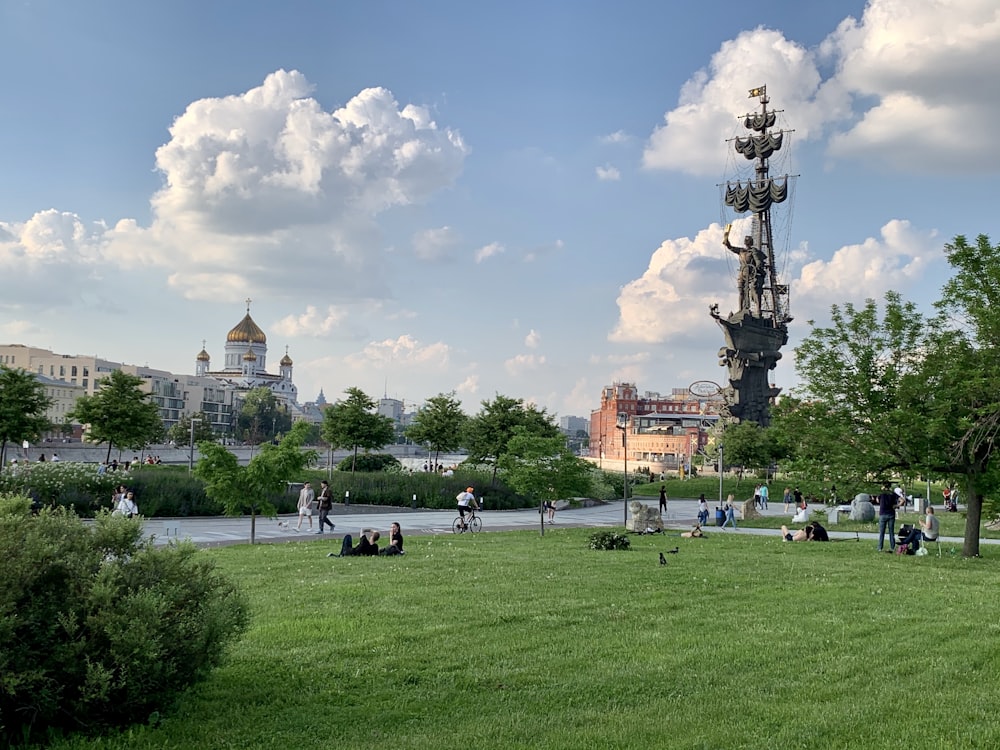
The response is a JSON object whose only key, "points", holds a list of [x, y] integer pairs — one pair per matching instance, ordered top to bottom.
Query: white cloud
{"points": [[930, 68], [914, 88], [619, 136], [608, 173], [434, 244], [488, 251], [540, 251], [896, 260], [669, 303], [313, 322], [20, 328], [533, 339], [402, 351], [619, 359], [523, 363], [469, 386]]}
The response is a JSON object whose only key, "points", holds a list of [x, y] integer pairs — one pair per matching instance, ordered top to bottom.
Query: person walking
{"points": [[764, 494], [306, 496], [663, 498], [787, 498], [888, 501], [325, 506], [702, 510], [730, 513]]}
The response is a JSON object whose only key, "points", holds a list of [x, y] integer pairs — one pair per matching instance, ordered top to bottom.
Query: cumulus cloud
{"points": [[929, 67], [913, 88], [608, 173], [434, 244], [488, 251], [895, 260], [669, 303], [313, 322], [533, 339], [402, 351], [523, 363], [469, 386]]}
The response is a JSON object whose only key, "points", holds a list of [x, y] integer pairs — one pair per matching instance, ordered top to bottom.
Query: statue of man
{"points": [[752, 271]]}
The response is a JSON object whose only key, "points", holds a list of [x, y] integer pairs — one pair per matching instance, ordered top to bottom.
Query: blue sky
{"points": [[516, 198]]}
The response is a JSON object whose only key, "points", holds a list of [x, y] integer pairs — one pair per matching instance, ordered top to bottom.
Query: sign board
{"points": [[704, 388]]}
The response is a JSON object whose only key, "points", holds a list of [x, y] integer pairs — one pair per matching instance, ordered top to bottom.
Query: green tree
{"points": [[22, 408], [119, 413], [262, 416], [352, 423], [439, 424], [180, 433], [488, 433], [746, 444], [543, 467], [251, 487]]}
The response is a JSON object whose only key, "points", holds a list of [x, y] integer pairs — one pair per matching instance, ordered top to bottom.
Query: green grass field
{"points": [[515, 640]]}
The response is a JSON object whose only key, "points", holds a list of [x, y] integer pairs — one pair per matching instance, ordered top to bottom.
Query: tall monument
{"points": [[755, 333]]}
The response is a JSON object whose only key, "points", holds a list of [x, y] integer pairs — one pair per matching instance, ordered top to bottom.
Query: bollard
{"points": [[347, 497], [414, 502]]}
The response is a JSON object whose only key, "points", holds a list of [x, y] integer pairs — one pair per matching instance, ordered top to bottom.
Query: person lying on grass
{"points": [[695, 532], [812, 532], [365, 546]]}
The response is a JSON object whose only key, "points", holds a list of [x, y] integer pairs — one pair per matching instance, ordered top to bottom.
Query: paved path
{"points": [[681, 514]]}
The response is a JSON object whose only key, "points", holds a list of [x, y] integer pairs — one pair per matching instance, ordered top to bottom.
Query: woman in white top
{"points": [[126, 506]]}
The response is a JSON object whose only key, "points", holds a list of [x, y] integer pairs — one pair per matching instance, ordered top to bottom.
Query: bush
{"points": [[370, 462], [609, 540], [98, 628]]}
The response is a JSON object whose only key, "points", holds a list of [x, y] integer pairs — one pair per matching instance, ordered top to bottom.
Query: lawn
{"points": [[514, 640]]}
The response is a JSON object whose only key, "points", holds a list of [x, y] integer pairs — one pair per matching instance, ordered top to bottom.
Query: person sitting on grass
{"points": [[812, 532], [395, 541], [365, 546]]}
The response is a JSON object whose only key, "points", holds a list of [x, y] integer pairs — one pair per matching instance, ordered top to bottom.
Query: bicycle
{"points": [[471, 523]]}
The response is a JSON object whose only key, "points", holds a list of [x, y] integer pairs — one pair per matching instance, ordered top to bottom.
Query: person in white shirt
{"points": [[306, 496], [466, 500], [126, 506]]}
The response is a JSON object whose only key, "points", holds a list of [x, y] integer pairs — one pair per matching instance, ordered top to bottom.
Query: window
{"points": [[72, 371]]}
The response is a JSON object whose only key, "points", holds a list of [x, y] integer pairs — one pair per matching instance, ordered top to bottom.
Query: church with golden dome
{"points": [[245, 363]]}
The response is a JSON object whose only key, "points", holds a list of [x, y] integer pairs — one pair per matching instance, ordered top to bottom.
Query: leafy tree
{"points": [[958, 392], [22, 408], [119, 413], [262, 416], [352, 423], [439, 424], [180, 433], [488, 433], [746, 444], [543, 467], [251, 487]]}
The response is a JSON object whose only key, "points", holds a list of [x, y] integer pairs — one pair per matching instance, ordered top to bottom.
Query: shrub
{"points": [[370, 462], [67, 483], [609, 540], [98, 628]]}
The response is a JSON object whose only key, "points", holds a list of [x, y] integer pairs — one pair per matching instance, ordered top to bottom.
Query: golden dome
{"points": [[247, 332], [203, 356], [249, 356], [286, 361]]}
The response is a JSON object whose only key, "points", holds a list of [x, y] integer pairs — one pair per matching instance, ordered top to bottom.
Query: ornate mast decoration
{"points": [[756, 332]]}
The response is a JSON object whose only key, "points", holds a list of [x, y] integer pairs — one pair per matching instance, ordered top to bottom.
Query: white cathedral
{"points": [[245, 366]]}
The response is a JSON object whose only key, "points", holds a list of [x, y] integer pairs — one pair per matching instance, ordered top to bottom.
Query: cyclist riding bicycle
{"points": [[466, 502]]}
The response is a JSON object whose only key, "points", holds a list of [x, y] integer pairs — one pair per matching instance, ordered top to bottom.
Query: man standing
{"points": [[765, 493], [306, 497], [663, 498], [887, 504], [325, 506]]}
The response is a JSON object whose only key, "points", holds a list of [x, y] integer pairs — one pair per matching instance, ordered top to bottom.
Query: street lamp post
{"points": [[622, 424], [191, 446], [720, 475]]}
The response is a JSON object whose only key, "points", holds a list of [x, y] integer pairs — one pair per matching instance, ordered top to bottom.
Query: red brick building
{"points": [[662, 431]]}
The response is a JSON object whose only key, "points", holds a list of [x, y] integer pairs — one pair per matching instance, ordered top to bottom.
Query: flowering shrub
{"points": [[67, 483], [609, 540]]}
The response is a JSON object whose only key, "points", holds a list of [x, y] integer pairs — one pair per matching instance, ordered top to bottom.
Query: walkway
{"points": [[681, 514]]}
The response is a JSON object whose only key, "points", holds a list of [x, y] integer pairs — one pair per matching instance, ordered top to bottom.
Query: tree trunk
{"points": [[107, 459], [973, 517], [253, 524]]}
